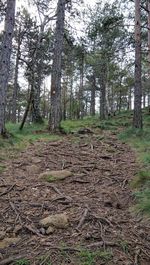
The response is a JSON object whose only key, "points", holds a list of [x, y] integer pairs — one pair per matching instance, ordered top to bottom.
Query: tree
{"points": [[5, 59], [55, 108], [137, 117]]}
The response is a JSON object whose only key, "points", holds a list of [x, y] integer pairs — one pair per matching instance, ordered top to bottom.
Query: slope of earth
{"points": [[96, 199]]}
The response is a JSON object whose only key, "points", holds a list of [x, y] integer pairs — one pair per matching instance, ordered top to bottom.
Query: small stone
{"points": [[32, 169], [51, 176], [57, 220], [50, 230], [42, 231], [2, 235]]}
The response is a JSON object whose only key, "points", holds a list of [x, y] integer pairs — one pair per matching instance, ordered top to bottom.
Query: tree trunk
{"points": [[148, 6], [6, 49], [15, 91], [103, 93], [93, 97], [129, 98], [28, 107], [81, 107], [55, 111], [36, 115], [137, 117]]}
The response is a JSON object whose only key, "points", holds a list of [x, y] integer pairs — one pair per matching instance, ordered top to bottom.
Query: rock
{"points": [[36, 160], [32, 169], [51, 176], [57, 220], [50, 230], [42, 231], [2, 235], [8, 241]]}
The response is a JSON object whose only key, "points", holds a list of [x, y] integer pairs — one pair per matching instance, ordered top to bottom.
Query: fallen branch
{"points": [[79, 181], [8, 190], [60, 193], [65, 198], [82, 218], [102, 219], [32, 230], [101, 244], [71, 249], [137, 253], [10, 260]]}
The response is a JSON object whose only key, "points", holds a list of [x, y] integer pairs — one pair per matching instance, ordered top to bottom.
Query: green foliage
{"points": [[74, 125], [30, 134], [140, 141], [2, 167], [141, 178], [143, 198], [124, 245], [89, 258], [45, 260], [22, 262]]}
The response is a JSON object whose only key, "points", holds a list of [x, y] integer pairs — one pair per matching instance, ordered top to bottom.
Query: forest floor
{"points": [[97, 200]]}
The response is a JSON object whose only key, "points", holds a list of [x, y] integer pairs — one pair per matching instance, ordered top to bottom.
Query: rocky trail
{"points": [[93, 202]]}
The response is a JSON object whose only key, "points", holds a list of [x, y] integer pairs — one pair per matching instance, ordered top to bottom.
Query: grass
{"points": [[74, 125], [19, 140], [139, 140], [91, 258], [22, 262]]}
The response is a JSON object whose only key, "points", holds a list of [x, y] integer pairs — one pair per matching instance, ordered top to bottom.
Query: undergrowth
{"points": [[18, 140], [139, 140]]}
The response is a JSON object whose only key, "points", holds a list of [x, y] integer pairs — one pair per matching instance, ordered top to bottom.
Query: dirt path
{"points": [[98, 190]]}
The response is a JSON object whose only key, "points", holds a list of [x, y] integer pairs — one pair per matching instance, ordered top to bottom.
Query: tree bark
{"points": [[148, 6], [5, 59], [93, 90], [15, 91], [103, 93], [81, 107], [55, 110], [36, 115], [137, 117]]}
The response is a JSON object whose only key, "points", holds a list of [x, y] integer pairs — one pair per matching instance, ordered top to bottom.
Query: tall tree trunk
{"points": [[148, 6], [6, 49], [15, 90], [93, 90], [103, 93], [129, 98], [71, 99], [28, 107], [81, 107], [55, 111], [36, 115], [137, 117]]}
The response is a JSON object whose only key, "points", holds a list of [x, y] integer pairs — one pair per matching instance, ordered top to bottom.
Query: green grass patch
{"points": [[74, 125], [19, 140], [139, 140], [2, 168], [141, 179], [143, 201], [91, 258], [22, 262]]}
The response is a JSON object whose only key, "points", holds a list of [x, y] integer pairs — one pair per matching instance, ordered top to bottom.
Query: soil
{"points": [[97, 200]]}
